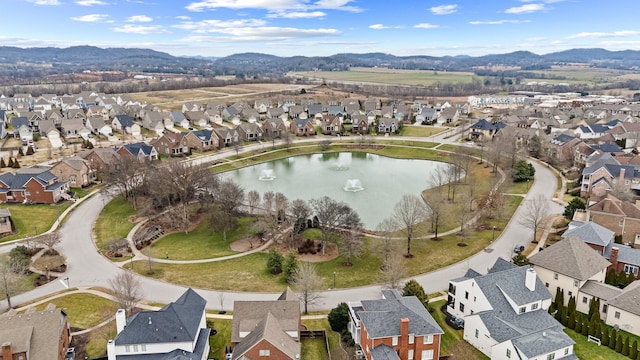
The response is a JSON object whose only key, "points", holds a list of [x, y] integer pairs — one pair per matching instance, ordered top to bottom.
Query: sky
{"points": [[219, 28]]}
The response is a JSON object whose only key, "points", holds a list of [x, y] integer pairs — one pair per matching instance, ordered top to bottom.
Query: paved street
{"points": [[89, 268]]}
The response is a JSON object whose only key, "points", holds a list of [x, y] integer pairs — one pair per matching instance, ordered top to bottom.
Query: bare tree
{"points": [[127, 174], [620, 190], [229, 196], [253, 200], [268, 201], [281, 205], [300, 210], [535, 210], [462, 211], [410, 212], [333, 215], [221, 221], [49, 240], [351, 244], [388, 245], [394, 272], [12, 275], [307, 282], [127, 289]]}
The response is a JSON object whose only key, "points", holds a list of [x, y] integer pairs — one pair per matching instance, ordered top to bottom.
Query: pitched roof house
{"points": [[126, 124], [302, 127], [202, 140], [173, 144], [138, 150], [75, 170], [32, 185], [621, 217], [505, 314], [394, 327], [177, 331], [35, 335]]}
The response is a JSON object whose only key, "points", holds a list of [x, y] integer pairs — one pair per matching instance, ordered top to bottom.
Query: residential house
{"points": [[42, 105], [262, 105], [191, 106], [315, 109], [98, 111], [387, 111], [297, 112], [278, 113], [76, 114], [230, 114], [426, 114], [250, 115], [449, 115], [55, 116], [197, 118], [34, 119], [179, 120], [155, 121], [19, 122], [125, 124], [359, 124], [331, 125], [98, 126], [388, 126], [273, 127], [302, 127], [74, 128], [48, 130], [485, 130], [249, 131], [590, 131], [227, 136], [202, 140], [172, 144], [561, 147], [139, 150], [100, 159], [74, 170], [603, 171], [32, 185], [621, 217], [5, 221], [594, 235], [624, 309], [505, 314], [394, 327], [267, 329], [177, 331], [35, 335]]}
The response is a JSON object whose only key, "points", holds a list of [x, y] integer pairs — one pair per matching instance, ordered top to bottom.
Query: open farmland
{"points": [[582, 75], [391, 76]]}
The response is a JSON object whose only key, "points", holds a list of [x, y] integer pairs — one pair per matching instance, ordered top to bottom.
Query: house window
{"points": [[72, 178], [621, 223], [630, 269], [555, 276], [575, 283], [546, 284], [570, 294], [466, 295], [474, 299], [584, 299], [534, 306], [462, 307], [604, 308], [523, 309], [617, 315], [477, 333], [412, 339], [428, 339], [394, 341], [143, 347], [127, 348], [135, 348], [566, 351], [265, 352], [509, 353], [410, 354], [427, 355], [551, 356]]}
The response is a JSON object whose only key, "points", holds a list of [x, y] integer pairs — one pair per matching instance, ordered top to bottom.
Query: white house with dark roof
{"points": [[505, 314], [177, 331]]}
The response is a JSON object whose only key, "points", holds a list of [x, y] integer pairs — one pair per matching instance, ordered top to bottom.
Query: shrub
{"points": [[19, 259], [274, 261], [290, 264], [339, 317], [619, 343]]}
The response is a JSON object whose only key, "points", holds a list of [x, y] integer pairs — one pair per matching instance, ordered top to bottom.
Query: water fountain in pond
{"points": [[340, 167], [267, 175], [353, 185]]}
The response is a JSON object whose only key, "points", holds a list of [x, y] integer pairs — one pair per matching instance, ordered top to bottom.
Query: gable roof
{"points": [[124, 120], [135, 148], [19, 179], [612, 205], [590, 233], [571, 257], [629, 299], [248, 314], [177, 322], [269, 329], [35, 332], [384, 352]]}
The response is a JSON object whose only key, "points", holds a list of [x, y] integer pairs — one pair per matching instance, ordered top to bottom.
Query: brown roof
{"points": [[75, 162], [612, 205], [571, 257], [248, 314], [269, 329], [38, 332]]}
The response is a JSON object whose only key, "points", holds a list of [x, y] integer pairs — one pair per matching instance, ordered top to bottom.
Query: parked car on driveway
{"points": [[518, 249]]}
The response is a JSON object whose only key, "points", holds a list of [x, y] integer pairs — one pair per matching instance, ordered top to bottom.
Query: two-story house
{"points": [[74, 170], [32, 185], [505, 314], [394, 327]]}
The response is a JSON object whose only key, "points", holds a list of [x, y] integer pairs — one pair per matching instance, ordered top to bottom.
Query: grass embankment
{"points": [[421, 131], [29, 220], [113, 222], [83, 310], [221, 340], [452, 342], [590, 350]]}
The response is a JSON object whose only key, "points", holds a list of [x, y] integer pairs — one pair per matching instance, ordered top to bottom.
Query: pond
{"points": [[371, 184]]}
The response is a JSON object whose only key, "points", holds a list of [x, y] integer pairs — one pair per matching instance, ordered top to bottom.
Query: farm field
{"points": [[582, 75], [401, 77]]}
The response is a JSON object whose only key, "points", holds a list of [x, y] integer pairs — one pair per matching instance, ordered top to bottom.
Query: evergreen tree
{"points": [[30, 150], [20, 152], [2, 163], [10, 164], [16, 164], [611, 277], [621, 278], [413, 288], [559, 297], [571, 307], [571, 323], [578, 326], [593, 326], [586, 327], [605, 337], [612, 339], [619, 343], [625, 346], [634, 350], [638, 357]]}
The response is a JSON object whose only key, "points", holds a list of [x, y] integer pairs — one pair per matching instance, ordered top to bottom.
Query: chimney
{"points": [[622, 174], [613, 259], [530, 279], [121, 320], [404, 339], [7, 350], [111, 350]]}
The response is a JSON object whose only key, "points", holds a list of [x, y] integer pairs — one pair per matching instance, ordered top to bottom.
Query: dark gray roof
{"points": [[124, 120], [18, 121], [301, 123], [203, 134], [136, 148], [19, 179], [591, 233], [626, 254], [571, 257], [501, 265], [511, 282], [600, 290], [382, 317], [177, 322], [542, 342], [384, 352], [178, 354]]}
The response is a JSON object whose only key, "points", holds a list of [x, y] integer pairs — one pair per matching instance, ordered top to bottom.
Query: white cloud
{"points": [[544, 1], [44, 2], [90, 2], [274, 5], [444, 9], [526, 9], [296, 14], [183, 17], [91, 18], [139, 18], [498, 22], [208, 26], [425, 26], [382, 27], [141, 29], [262, 34], [591, 35], [537, 38]]}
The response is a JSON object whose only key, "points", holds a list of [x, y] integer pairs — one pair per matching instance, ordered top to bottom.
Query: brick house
{"points": [[331, 125], [273, 127], [302, 127], [249, 131], [202, 140], [173, 144], [139, 150], [99, 158], [75, 170], [32, 185], [621, 217], [394, 327], [35, 335]]}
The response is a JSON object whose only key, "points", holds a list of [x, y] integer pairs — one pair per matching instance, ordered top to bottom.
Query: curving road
{"points": [[87, 267]]}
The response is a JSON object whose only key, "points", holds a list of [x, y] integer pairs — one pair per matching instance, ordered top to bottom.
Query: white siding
{"points": [[627, 321]]}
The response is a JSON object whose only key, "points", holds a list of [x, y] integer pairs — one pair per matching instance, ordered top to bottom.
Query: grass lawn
{"points": [[420, 131], [510, 187], [79, 192], [33, 219], [113, 222], [201, 242], [84, 310], [221, 340], [452, 342], [97, 345], [314, 348], [590, 350]]}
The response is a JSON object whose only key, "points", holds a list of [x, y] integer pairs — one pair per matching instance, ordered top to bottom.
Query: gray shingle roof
{"points": [[591, 233], [626, 254], [571, 257], [600, 290], [629, 299], [248, 314], [382, 317], [177, 322], [270, 330], [543, 342], [384, 352], [177, 354]]}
